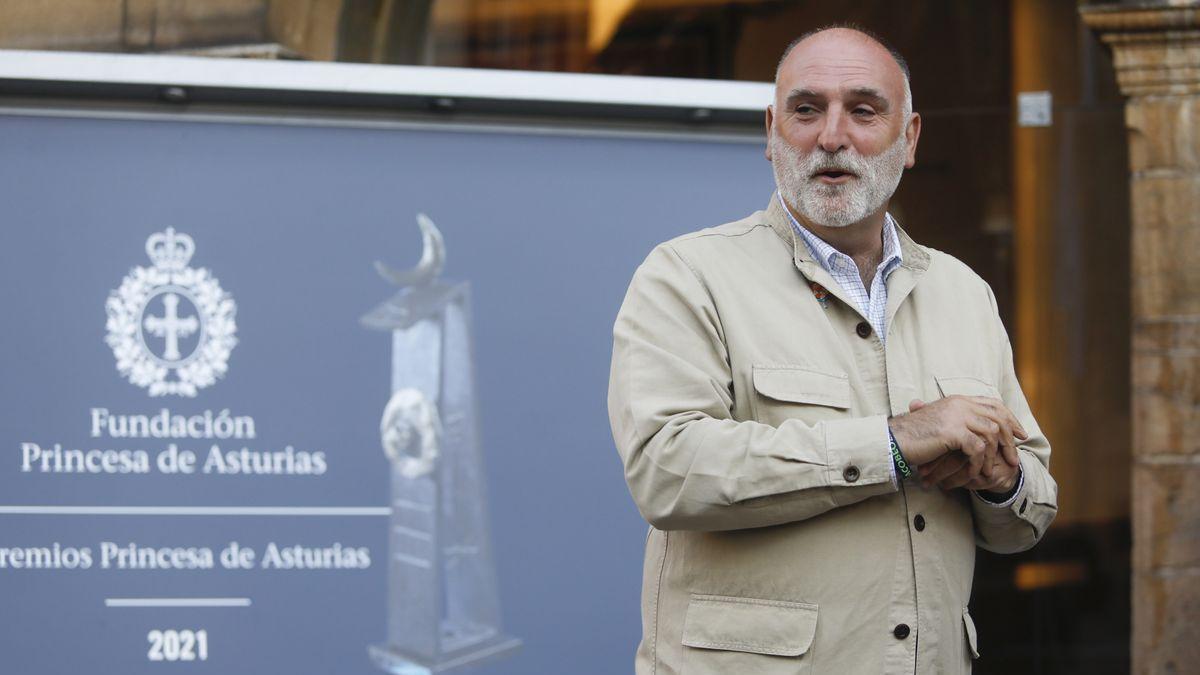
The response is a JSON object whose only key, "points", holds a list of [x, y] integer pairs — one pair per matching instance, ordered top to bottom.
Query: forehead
{"points": [[838, 61]]}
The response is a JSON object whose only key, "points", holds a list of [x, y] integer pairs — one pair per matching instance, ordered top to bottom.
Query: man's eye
{"points": [[805, 109], [864, 112]]}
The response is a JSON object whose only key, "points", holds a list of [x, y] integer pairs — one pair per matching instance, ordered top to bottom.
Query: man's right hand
{"points": [[972, 424]]}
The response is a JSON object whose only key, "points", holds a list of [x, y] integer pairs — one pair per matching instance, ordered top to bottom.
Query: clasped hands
{"points": [[961, 441]]}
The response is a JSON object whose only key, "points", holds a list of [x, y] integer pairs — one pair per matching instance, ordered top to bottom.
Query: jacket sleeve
{"points": [[688, 463], [1022, 523]]}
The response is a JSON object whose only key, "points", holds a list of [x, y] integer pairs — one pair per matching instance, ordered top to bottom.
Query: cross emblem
{"points": [[170, 327]]}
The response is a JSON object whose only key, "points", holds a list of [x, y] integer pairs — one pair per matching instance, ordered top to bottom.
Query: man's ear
{"points": [[769, 119], [912, 134]]}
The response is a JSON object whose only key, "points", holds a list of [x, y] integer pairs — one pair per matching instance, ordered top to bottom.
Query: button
{"points": [[863, 329], [850, 474], [919, 522], [901, 631]]}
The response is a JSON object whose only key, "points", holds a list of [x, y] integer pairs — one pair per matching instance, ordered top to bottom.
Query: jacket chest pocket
{"points": [[966, 385], [798, 392], [725, 635]]}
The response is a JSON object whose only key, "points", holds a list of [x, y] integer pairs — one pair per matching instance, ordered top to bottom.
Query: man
{"points": [[776, 379]]}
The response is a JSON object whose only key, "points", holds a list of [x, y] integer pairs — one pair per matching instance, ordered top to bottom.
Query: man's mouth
{"points": [[833, 176]]}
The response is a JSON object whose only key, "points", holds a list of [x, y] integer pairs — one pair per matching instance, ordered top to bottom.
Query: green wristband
{"points": [[902, 466]]}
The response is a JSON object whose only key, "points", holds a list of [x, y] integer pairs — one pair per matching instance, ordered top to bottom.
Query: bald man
{"points": [[819, 417]]}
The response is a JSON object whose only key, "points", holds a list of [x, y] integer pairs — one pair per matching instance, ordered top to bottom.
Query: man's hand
{"points": [[960, 437], [950, 471]]}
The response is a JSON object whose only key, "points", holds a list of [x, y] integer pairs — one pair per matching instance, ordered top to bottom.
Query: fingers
{"points": [[915, 405], [1002, 415], [1009, 427], [992, 433], [975, 447], [1010, 455], [976, 464], [945, 466], [962, 477], [958, 480], [1002, 480], [986, 481], [998, 483]]}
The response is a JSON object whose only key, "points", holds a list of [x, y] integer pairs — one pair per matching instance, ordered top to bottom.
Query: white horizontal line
{"points": [[371, 79], [196, 510], [415, 534], [412, 560], [177, 602]]}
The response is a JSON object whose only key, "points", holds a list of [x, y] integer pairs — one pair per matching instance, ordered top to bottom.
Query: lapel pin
{"points": [[821, 294]]}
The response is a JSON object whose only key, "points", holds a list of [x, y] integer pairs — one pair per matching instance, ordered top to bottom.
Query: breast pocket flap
{"points": [[801, 385], [966, 385], [772, 627]]}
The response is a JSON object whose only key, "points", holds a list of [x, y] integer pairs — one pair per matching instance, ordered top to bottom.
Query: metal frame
{"points": [[303, 92]]}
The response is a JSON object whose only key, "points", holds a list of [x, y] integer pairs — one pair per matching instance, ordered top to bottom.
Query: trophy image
{"points": [[443, 609]]}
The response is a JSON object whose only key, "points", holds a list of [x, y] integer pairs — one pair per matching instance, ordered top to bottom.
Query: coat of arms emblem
{"points": [[171, 327]]}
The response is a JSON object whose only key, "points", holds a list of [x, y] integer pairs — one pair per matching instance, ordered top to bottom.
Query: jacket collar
{"points": [[915, 257]]}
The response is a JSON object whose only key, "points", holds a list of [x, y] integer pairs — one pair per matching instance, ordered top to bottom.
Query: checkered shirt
{"points": [[871, 303]]}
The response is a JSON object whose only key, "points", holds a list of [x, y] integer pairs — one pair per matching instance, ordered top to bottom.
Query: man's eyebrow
{"points": [[803, 93], [872, 96]]}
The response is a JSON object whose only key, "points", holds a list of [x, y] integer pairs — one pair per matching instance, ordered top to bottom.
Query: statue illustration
{"points": [[442, 600]]}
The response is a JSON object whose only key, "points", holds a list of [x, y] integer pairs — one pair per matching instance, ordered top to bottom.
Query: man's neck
{"points": [[862, 241]]}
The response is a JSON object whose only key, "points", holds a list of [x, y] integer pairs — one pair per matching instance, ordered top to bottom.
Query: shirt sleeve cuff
{"points": [[887, 447], [991, 499]]}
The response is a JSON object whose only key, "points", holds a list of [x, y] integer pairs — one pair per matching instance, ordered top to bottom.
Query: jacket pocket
{"points": [[966, 385], [798, 392], [747, 635], [972, 638]]}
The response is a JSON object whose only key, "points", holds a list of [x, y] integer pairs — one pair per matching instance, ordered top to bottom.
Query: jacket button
{"points": [[863, 329], [850, 474], [919, 522], [901, 631]]}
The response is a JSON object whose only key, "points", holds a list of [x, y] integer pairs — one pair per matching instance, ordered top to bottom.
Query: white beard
{"points": [[878, 176]]}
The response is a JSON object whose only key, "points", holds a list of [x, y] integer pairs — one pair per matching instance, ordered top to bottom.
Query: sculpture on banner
{"points": [[443, 605]]}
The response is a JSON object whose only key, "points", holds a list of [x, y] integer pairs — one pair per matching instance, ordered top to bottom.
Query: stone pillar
{"points": [[1156, 51]]}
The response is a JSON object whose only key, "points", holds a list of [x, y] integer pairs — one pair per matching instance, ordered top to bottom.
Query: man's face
{"points": [[838, 134]]}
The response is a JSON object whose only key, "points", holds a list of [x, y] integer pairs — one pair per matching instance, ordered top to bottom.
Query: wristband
{"points": [[902, 466]]}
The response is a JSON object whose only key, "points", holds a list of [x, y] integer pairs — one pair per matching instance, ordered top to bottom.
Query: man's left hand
{"points": [[952, 470]]}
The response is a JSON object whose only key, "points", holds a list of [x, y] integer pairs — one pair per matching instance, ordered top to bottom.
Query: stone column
{"points": [[1156, 51]]}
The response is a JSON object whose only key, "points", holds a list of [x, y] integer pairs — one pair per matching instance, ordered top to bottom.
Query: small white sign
{"points": [[1033, 108]]}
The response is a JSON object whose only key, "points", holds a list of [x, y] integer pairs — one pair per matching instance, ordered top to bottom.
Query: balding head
{"points": [[859, 34]]}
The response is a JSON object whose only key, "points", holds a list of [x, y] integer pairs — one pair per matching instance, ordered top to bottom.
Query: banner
{"points": [[192, 475]]}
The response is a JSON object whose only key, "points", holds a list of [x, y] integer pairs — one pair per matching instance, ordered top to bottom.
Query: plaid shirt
{"points": [[871, 303]]}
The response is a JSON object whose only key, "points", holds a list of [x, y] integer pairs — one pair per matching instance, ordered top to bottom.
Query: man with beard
{"points": [[819, 417]]}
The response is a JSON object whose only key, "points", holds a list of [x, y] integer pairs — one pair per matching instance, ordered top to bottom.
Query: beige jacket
{"points": [[751, 421]]}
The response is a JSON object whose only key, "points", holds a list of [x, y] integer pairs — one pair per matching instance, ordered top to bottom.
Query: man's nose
{"points": [[833, 135]]}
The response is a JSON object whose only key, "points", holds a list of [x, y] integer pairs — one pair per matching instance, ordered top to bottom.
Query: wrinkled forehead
{"points": [[835, 63]]}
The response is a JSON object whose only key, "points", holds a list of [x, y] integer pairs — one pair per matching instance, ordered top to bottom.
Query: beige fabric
{"points": [[738, 405]]}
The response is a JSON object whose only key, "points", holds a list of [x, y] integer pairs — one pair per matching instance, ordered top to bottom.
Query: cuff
{"points": [[887, 445], [852, 454]]}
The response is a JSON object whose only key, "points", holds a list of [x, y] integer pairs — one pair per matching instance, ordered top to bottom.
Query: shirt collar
{"points": [[826, 255]]}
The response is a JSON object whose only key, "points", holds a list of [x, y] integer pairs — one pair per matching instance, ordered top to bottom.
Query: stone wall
{"points": [[1156, 49]]}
